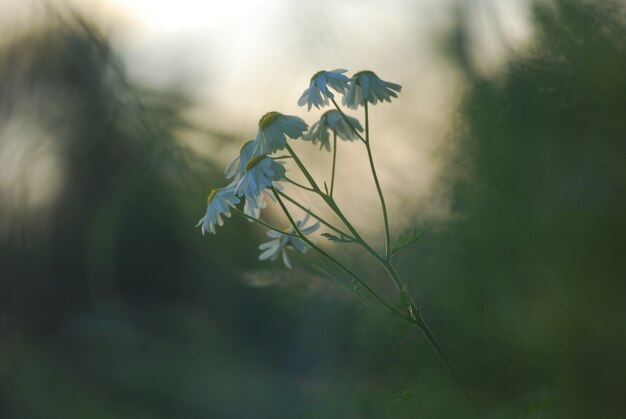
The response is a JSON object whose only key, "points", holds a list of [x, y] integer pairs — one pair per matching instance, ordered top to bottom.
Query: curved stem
{"points": [[347, 120], [305, 172], [332, 178], [306, 188], [380, 192], [329, 200], [333, 205], [314, 215], [256, 220], [328, 256], [355, 290], [415, 315], [418, 320]]}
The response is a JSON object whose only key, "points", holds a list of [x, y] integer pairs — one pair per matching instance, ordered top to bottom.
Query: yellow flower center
{"points": [[360, 73], [317, 74], [268, 119], [255, 160], [212, 195]]}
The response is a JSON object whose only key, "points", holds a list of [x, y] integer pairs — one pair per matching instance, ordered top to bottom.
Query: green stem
{"points": [[347, 120], [305, 172], [332, 179], [306, 188], [380, 192], [329, 200], [333, 205], [317, 217], [256, 220], [328, 256], [355, 290], [416, 317], [418, 320], [421, 323], [434, 344]]}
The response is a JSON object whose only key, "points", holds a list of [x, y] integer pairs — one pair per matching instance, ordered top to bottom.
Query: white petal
{"points": [[286, 260]]}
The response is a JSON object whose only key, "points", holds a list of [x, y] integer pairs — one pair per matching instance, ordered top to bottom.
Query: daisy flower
{"points": [[365, 86], [318, 94], [332, 121], [274, 128], [237, 167], [261, 172], [218, 203], [279, 243]]}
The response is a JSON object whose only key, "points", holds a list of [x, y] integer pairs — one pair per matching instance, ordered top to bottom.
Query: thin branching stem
{"points": [[345, 117], [304, 171], [332, 176], [377, 183], [299, 185], [329, 200], [333, 205], [317, 217], [264, 224], [328, 256], [356, 290], [415, 315]]}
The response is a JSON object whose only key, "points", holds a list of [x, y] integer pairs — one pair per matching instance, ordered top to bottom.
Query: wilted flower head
{"points": [[365, 86], [318, 93], [333, 121], [274, 128], [237, 167], [261, 172], [218, 203], [253, 206], [277, 246]]}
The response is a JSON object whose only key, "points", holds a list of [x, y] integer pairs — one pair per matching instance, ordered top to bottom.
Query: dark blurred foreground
{"points": [[114, 306]]}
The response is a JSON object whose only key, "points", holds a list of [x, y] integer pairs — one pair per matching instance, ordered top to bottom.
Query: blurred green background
{"points": [[113, 306]]}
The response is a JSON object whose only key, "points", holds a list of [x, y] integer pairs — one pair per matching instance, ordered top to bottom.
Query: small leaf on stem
{"points": [[406, 238], [339, 239]]}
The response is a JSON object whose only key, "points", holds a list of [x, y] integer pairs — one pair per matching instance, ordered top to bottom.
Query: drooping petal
{"points": [[366, 86], [318, 92], [218, 204], [280, 242]]}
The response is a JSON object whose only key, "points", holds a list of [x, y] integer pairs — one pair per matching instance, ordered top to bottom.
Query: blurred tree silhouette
{"points": [[531, 276], [107, 292], [112, 305]]}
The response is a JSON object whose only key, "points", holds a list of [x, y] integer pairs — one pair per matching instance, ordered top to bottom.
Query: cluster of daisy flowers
{"points": [[256, 174]]}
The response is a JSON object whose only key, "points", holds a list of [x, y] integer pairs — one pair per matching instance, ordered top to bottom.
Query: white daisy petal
{"points": [[366, 86], [317, 94], [332, 121], [274, 128], [237, 166], [261, 173], [218, 203], [280, 242], [286, 260]]}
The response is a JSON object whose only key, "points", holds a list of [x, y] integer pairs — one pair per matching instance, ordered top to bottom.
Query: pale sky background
{"points": [[238, 59]]}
